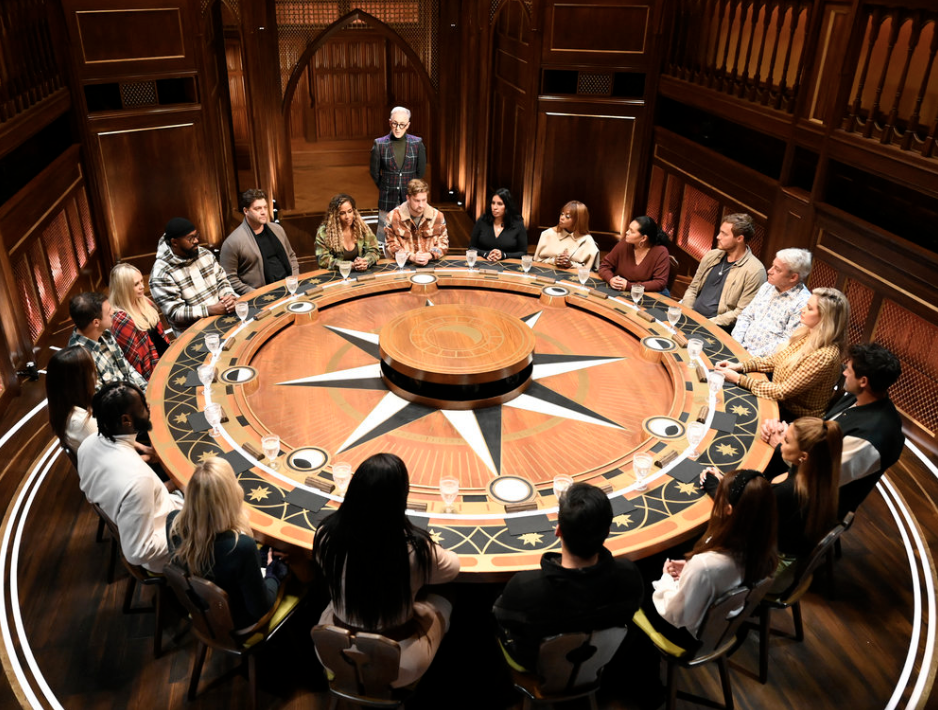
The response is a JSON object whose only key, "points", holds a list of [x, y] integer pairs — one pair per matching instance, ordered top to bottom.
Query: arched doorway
{"points": [[337, 102]]}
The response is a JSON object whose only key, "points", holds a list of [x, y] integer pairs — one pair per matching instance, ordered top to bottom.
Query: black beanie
{"points": [[178, 227]]}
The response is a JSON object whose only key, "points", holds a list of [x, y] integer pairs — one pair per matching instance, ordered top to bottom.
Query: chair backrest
{"points": [[673, 267], [72, 456], [806, 567], [136, 571], [207, 605], [726, 615], [572, 662], [364, 665]]}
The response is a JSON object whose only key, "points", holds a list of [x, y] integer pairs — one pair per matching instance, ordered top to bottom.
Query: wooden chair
{"points": [[673, 267], [99, 536], [137, 574], [791, 597], [212, 624], [718, 639], [360, 666], [569, 666]]}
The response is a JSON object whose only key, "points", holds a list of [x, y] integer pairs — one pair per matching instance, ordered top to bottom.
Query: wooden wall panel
{"points": [[599, 32]]}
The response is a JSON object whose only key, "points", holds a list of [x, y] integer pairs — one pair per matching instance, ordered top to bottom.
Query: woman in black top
{"points": [[500, 233]]}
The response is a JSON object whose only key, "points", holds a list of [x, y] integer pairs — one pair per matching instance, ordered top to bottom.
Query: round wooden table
{"points": [[502, 379]]}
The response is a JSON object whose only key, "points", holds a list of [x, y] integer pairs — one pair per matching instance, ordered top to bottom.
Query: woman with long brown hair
{"points": [[344, 236], [569, 244], [136, 321], [70, 380]]}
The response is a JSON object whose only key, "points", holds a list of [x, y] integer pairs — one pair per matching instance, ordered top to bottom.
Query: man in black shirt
{"points": [[258, 252]]}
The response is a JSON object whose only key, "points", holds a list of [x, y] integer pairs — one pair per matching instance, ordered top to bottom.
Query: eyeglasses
{"points": [[395, 124]]}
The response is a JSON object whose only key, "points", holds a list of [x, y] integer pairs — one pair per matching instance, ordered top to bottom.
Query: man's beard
{"points": [[142, 424]]}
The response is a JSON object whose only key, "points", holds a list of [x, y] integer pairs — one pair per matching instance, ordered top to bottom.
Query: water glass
{"points": [[471, 256], [401, 257], [526, 262], [345, 268], [583, 274], [292, 283], [637, 292], [242, 308], [674, 315], [213, 343], [694, 348], [206, 377], [715, 380], [213, 417], [695, 434], [271, 445], [641, 464], [341, 475], [561, 484], [449, 489]]}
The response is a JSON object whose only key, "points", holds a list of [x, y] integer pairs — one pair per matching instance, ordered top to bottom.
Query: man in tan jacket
{"points": [[258, 252], [729, 276]]}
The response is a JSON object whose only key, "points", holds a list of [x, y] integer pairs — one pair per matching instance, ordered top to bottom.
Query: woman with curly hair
{"points": [[344, 236], [136, 324]]}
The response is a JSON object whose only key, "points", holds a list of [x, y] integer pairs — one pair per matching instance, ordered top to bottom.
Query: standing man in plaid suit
{"points": [[396, 159]]}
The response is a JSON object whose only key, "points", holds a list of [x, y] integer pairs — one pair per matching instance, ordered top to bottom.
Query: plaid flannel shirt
{"points": [[402, 233], [185, 288], [136, 343], [108, 360], [805, 386]]}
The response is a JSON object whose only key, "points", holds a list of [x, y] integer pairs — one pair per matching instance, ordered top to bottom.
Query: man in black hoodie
{"points": [[581, 588]]}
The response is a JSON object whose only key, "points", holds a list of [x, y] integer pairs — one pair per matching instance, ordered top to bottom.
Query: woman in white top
{"points": [[569, 244], [70, 381], [738, 548]]}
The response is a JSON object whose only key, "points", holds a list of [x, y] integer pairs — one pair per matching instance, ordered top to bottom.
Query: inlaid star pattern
{"points": [[269, 297], [197, 347], [180, 381], [740, 410], [181, 418], [481, 428], [726, 449], [206, 455], [687, 489], [258, 494], [623, 521], [436, 536], [531, 538]]}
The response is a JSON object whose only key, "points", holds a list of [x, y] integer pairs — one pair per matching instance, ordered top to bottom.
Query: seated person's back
{"points": [[582, 588]]}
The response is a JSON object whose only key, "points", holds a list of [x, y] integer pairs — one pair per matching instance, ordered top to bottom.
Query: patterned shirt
{"points": [[401, 232], [184, 288], [770, 318], [136, 343], [108, 360], [804, 386]]}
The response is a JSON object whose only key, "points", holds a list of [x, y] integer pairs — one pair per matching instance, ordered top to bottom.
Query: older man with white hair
{"points": [[396, 159], [772, 316]]}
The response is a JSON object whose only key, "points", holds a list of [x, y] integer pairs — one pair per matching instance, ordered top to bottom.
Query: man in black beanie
{"points": [[187, 282]]}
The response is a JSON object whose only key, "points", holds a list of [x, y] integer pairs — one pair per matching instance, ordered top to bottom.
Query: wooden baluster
{"points": [[727, 8], [769, 8], [744, 19], [754, 21], [875, 23], [792, 29], [914, 36], [692, 39], [702, 43], [891, 44], [726, 49], [32, 54], [47, 67], [799, 72], [770, 76], [6, 111], [912, 128], [928, 147]]}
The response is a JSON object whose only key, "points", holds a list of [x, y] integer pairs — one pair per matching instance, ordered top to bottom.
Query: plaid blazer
{"points": [[391, 178]]}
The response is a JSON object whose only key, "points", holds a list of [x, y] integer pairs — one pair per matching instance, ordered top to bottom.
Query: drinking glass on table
{"points": [[471, 256], [401, 257], [526, 262], [345, 268], [583, 274], [292, 283], [637, 292], [242, 308], [674, 315], [213, 343], [694, 348], [206, 377], [715, 380], [213, 417], [695, 434], [271, 445], [641, 464], [341, 475], [561, 485], [449, 489]]}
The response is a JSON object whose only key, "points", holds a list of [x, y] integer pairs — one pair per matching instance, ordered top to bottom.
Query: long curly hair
{"points": [[334, 226]]}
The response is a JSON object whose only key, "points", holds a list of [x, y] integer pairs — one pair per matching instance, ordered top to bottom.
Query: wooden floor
{"points": [[66, 643]]}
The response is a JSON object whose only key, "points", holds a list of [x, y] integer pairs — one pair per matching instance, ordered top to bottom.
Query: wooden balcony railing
{"points": [[751, 49], [29, 71], [894, 98]]}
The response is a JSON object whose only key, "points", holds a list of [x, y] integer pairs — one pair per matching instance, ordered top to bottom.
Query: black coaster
{"points": [[489, 267], [658, 314], [192, 378], [723, 421], [198, 422], [237, 461], [687, 471], [305, 499], [621, 505], [316, 518], [420, 522], [529, 524]]}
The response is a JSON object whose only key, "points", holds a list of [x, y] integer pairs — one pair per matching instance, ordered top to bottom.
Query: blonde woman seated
{"points": [[344, 236], [569, 244], [136, 321], [808, 367], [211, 538]]}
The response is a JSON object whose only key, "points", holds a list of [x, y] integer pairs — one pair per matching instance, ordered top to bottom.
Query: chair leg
{"points": [[99, 536], [838, 549], [112, 563], [129, 594], [796, 616], [158, 622], [764, 644], [200, 654], [252, 681], [725, 682], [672, 685]]}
